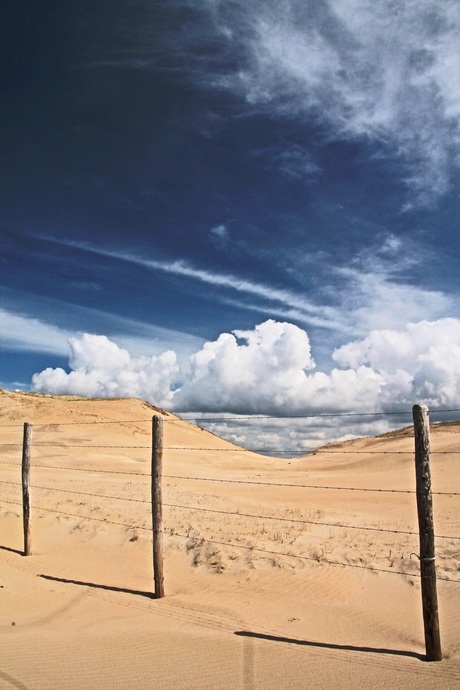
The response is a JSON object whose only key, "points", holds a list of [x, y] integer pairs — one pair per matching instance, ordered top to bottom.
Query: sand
{"points": [[238, 611]]}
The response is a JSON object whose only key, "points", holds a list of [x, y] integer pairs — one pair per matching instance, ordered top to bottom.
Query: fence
{"points": [[202, 541]]}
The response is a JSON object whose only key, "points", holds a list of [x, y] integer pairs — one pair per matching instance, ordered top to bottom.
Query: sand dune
{"points": [[275, 576]]}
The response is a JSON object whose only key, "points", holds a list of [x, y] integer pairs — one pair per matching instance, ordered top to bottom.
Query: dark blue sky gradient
{"points": [[125, 131]]}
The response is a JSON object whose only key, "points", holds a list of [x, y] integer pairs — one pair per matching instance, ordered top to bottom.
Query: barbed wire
{"points": [[312, 415], [178, 418], [228, 420], [100, 421], [37, 425], [87, 445], [236, 449], [310, 451], [76, 469], [96, 471], [235, 481], [305, 486], [81, 493], [233, 513], [81, 517], [303, 522], [228, 544], [305, 558]]}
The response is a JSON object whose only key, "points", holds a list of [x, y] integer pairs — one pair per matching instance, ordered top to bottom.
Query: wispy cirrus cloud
{"points": [[383, 72], [293, 161], [372, 291], [378, 291], [317, 315], [21, 330]]}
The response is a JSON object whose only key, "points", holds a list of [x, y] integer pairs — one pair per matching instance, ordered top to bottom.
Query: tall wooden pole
{"points": [[26, 448], [157, 505], [426, 531]]}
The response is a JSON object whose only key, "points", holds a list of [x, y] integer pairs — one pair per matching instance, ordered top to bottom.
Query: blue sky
{"points": [[267, 192]]}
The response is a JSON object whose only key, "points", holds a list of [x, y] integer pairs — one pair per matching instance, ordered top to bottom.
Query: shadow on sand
{"points": [[8, 548], [108, 588], [328, 645]]}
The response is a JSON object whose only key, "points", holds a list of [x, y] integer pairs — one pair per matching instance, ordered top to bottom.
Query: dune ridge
{"points": [[276, 574]]}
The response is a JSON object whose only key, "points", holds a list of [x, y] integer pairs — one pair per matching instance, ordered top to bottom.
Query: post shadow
{"points": [[11, 550], [94, 585], [330, 645]]}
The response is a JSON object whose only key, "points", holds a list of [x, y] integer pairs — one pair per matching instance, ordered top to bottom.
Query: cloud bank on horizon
{"points": [[270, 370]]}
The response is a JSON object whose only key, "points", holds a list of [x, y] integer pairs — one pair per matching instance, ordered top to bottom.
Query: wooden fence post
{"points": [[26, 448], [157, 505], [426, 532]]}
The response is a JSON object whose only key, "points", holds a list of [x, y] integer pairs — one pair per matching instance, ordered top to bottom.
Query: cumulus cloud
{"points": [[381, 71], [421, 362], [100, 368], [260, 370], [270, 370]]}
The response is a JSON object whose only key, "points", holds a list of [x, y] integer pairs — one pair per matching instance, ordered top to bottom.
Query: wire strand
{"points": [[308, 416], [177, 417], [96, 471], [234, 481], [287, 485], [307, 486], [81, 493], [233, 513], [81, 517], [302, 522], [238, 546], [306, 558]]}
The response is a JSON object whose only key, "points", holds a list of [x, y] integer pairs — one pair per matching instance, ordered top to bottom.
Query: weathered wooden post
{"points": [[26, 448], [157, 505], [426, 531]]}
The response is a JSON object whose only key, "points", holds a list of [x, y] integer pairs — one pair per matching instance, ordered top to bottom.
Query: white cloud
{"points": [[383, 71], [292, 160], [297, 163], [219, 231], [219, 236], [378, 289], [373, 292], [375, 300], [316, 315], [20, 332], [24, 333], [420, 362], [99, 368], [255, 371], [270, 371], [290, 436]]}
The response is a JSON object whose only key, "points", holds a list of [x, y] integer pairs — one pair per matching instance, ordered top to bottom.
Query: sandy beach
{"points": [[278, 573]]}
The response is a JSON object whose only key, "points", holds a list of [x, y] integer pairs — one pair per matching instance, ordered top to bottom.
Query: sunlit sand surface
{"points": [[270, 579]]}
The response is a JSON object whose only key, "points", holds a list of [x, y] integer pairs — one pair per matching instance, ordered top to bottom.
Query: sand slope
{"points": [[239, 612]]}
